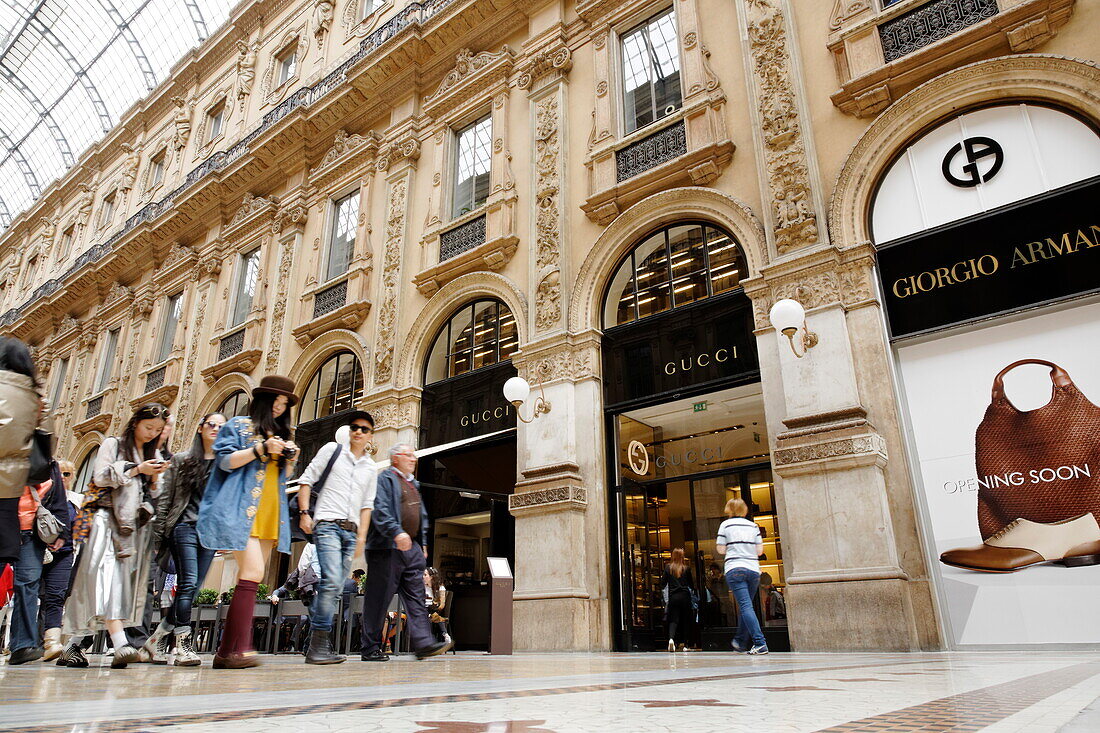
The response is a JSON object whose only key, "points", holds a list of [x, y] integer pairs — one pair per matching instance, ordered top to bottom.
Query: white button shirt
{"points": [[350, 487]]}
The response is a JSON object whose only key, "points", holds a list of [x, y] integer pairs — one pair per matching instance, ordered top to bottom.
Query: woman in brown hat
{"points": [[244, 506]]}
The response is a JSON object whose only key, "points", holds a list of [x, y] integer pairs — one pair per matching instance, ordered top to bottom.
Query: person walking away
{"points": [[20, 409], [345, 482], [182, 490], [244, 507], [740, 541], [395, 560], [56, 573], [109, 584], [435, 596], [679, 612], [25, 645]]}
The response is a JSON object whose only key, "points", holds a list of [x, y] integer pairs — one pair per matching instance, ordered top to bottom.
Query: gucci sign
{"points": [[686, 364], [476, 418]]}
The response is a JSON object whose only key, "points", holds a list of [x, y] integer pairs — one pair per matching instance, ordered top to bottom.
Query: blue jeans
{"points": [[335, 547], [192, 560], [28, 576], [743, 584], [54, 588]]}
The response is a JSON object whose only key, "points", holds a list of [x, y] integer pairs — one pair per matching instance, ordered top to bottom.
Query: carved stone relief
{"points": [[547, 183], [794, 219], [391, 271], [548, 301], [278, 310], [186, 388]]}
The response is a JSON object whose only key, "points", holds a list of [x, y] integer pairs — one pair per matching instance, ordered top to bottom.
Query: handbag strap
{"points": [[1058, 376], [320, 485]]}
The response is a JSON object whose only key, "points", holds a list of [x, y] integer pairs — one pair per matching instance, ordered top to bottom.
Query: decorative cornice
{"points": [[471, 76], [864, 445], [557, 498]]}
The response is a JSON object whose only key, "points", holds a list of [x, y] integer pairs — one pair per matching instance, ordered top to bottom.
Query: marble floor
{"points": [[539, 693]]}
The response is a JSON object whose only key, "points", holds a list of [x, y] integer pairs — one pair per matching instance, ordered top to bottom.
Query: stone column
{"points": [[846, 501], [559, 503]]}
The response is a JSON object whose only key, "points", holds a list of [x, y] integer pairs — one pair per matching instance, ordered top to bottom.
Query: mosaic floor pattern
{"points": [[553, 693]]}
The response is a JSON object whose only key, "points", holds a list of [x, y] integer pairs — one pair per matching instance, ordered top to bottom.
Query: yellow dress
{"points": [[266, 524]]}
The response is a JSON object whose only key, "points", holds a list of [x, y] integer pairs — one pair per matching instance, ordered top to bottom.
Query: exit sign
{"points": [[699, 407]]}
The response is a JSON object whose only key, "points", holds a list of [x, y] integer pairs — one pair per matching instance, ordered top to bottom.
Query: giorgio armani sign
{"points": [[1036, 251]]}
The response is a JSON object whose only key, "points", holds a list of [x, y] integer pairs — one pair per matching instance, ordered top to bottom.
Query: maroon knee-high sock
{"points": [[237, 636]]}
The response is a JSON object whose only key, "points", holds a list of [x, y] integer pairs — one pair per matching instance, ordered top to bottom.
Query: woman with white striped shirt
{"points": [[740, 541]]}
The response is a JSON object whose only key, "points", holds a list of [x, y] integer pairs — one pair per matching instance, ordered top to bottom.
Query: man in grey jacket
{"points": [[396, 553]]}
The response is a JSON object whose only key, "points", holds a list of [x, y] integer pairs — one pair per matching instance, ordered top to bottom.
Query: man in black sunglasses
{"points": [[341, 484]]}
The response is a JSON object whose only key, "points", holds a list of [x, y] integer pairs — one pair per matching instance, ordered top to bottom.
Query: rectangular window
{"points": [[888, 3], [369, 6], [287, 63], [651, 72], [215, 120], [473, 156], [156, 168], [108, 209], [66, 243], [342, 243], [247, 277], [172, 315], [107, 360], [59, 384]]}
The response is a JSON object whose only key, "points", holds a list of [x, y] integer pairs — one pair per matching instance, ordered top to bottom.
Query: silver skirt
{"points": [[106, 587]]}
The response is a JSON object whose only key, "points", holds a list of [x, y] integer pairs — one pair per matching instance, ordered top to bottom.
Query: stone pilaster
{"points": [[846, 500], [560, 502]]}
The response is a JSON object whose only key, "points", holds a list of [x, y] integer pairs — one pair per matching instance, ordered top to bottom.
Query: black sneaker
{"points": [[440, 647], [24, 655], [73, 656], [375, 656]]}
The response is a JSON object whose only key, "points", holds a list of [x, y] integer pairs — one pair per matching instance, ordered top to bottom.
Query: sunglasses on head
{"points": [[155, 411], [364, 428]]}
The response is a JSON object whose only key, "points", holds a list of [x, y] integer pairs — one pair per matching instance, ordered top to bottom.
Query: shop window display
{"points": [[478, 335]]}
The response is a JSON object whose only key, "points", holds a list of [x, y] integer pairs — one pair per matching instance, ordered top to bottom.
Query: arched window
{"points": [[679, 264], [478, 335], [335, 387], [234, 405], [84, 472]]}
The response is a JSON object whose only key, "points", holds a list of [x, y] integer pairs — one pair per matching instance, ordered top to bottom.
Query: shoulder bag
{"points": [[41, 456], [1042, 465], [315, 491], [46, 525]]}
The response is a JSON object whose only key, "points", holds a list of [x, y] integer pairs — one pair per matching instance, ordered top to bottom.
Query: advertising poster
{"points": [[1025, 447]]}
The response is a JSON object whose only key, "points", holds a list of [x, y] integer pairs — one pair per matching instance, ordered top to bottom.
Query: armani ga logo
{"points": [[975, 168], [638, 458]]}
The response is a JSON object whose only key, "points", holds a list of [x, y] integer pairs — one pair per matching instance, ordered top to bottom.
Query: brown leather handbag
{"points": [[1042, 465]]}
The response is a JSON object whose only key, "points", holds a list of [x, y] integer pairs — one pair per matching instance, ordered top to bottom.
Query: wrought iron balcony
{"points": [[929, 23], [650, 152], [462, 238], [329, 299], [231, 345], [155, 380], [95, 406]]}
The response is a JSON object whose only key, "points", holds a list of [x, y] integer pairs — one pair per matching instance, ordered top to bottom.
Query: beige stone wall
{"points": [[776, 96]]}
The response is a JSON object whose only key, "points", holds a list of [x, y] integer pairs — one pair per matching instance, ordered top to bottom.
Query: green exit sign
{"points": [[699, 407]]}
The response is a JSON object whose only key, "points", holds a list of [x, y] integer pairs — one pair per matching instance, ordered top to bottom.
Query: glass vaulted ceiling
{"points": [[69, 69]]}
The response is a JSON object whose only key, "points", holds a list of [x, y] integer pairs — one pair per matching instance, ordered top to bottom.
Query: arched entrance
{"points": [[685, 421], [467, 467]]}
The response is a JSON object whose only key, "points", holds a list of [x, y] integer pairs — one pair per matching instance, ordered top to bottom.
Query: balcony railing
{"points": [[414, 14], [929, 23], [650, 152], [462, 238], [329, 299], [231, 345], [155, 379], [95, 406]]}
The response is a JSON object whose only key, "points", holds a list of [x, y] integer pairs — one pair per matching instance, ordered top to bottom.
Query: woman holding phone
{"points": [[244, 507], [114, 527]]}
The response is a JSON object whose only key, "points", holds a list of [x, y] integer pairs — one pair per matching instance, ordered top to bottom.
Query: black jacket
{"points": [[57, 501], [385, 520], [683, 584]]}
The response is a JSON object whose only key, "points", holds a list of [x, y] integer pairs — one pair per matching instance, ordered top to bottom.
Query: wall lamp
{"points": [[789, 318], [517, 390]]}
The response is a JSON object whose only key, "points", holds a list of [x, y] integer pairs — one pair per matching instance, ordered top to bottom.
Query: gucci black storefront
{"points": [[686, 432], [467, 468]]}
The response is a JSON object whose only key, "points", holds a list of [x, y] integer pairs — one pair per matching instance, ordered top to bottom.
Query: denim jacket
{"points": [[232, 496]]}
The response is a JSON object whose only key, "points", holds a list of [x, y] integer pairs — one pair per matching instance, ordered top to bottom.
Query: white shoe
{"points": [[671, 645], [157, 647], [53, 648], [759, 649], [185, 653], [125, 655]]}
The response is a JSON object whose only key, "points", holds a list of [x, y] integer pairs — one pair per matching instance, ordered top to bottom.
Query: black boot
{"points": [[320, 649]]}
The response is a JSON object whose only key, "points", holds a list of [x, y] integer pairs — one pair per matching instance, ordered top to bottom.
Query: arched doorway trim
{"points": [[1067, 83], [661, 208], [442, 305], [323, 347], [215, 396]]}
